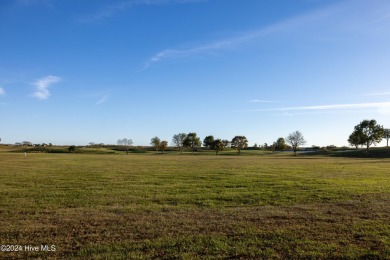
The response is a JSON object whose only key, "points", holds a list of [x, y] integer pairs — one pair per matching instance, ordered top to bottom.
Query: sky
{"points": [[75, 72]]}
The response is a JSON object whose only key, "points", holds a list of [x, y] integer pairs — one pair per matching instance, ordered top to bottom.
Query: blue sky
{"points": [[74, 72]]}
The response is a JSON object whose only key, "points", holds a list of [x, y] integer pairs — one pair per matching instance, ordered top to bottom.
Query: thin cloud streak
{"points": [[32, 2], [112, 10], [106, 12], [336, 13], [229, 43], [214, 46], [189, 52], [42, 86], [2, 91], [378, 94], [102, 100], [261, 101], [378, 105]]}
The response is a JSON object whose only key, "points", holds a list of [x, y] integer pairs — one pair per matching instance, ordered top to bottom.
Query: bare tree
{"points": [[386, 135], [295, 139], [178, 141], [127, 142]]}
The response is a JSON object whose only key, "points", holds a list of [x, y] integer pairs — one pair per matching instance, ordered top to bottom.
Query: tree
{"points": [[369, 133], [386, 135], [295, 139], [354, 139], [178, 140], [192, 141], [208, 141], [125, 142], [155, 142], [239, 142], [226, 143], [280, 144], [163, 146], [217, 146], [72, 148]]}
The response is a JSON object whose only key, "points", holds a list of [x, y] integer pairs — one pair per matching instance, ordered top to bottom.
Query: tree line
{"points": [[366, 133], [192, 141]]}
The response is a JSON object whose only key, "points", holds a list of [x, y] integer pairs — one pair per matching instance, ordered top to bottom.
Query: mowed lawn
{"points": [[172, 206]]}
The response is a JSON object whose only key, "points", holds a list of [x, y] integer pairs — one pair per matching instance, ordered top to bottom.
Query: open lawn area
{"points": [[105, 206]]}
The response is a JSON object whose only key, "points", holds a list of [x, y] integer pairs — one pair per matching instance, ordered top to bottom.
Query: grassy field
{"points": [[105, 206]]}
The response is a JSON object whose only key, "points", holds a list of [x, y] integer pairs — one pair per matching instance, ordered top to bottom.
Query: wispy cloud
{"points": [[28, 3], [111, 10], [106, 12], [337, 16], [242, 38], [172, 53], [42, 86], [2, 91], [378, 94], [102, 100], [261, 101], [340, 106], [382, 107]]}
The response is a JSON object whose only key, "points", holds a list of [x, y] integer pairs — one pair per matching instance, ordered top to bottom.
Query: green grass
{"points": [[374, 152], [171, 206]]}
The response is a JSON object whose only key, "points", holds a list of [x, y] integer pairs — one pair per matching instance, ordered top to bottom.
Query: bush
{"points": [[137, 151]]}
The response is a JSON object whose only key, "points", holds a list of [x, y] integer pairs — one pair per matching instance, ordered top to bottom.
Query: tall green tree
{"points": [[369, 133], [386, 135], [295, 139], [354, 139], [178, 141], [193, 141], [208, 141], [155, 142], [239, 142], [280, 144], [217, 145], [163, 146]]}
